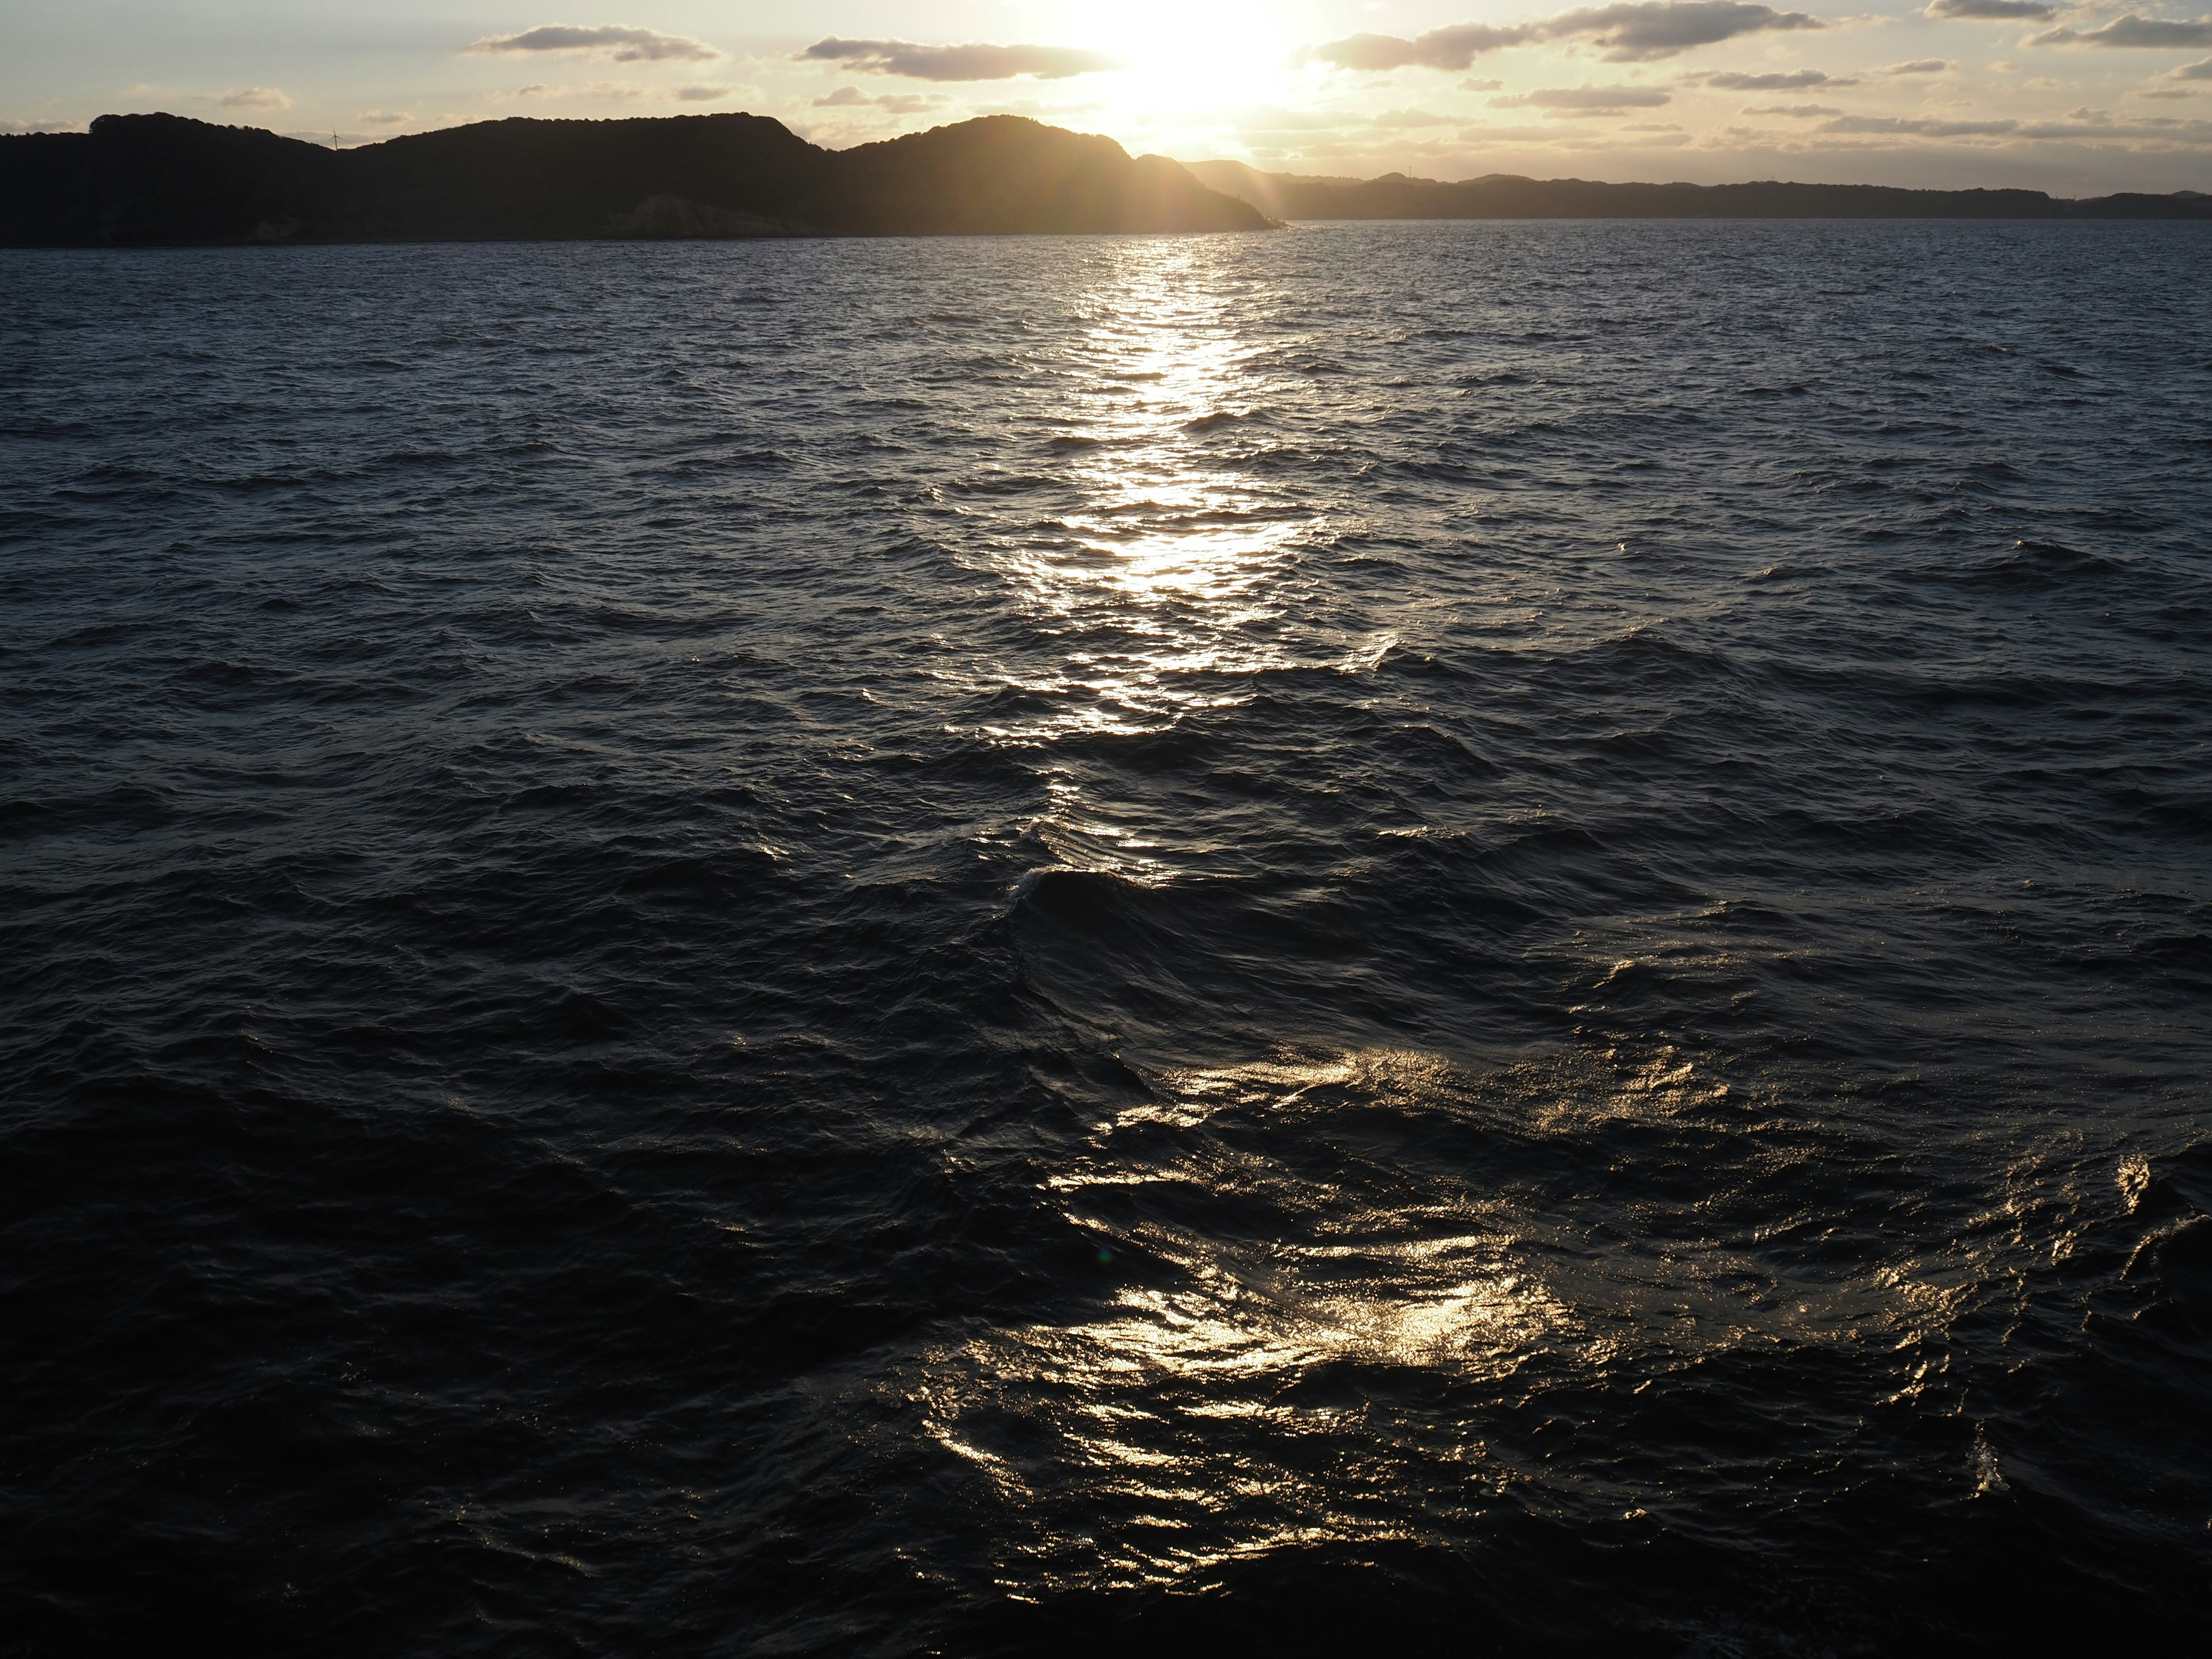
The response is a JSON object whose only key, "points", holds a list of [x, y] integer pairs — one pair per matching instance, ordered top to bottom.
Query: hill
{"points": [[155, 179], [1505, 196]]}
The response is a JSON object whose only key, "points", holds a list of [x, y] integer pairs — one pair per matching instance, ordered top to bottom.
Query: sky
{"points": [[2075, 100]]}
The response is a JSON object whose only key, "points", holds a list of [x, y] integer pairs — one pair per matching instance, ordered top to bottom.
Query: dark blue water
{"points": [[1495, 936]]}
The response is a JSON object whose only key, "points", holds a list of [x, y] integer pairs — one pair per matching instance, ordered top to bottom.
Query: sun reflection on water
{"points": [[1164, 566], [1308, 1322], [1311, 1334]]}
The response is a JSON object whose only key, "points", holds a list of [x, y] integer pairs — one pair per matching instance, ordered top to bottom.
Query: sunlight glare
{"points": [[1187, 57], [1163, 571]]}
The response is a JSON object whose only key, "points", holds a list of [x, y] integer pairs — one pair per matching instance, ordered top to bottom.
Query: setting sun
{"points": [[1188, 60]]}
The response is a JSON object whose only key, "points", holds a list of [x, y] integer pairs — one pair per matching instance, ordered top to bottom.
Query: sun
{"points": [[1186, 55]]}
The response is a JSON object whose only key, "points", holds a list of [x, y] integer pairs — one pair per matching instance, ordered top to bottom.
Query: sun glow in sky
{"points": [[1187, 57], [2076, 99]]}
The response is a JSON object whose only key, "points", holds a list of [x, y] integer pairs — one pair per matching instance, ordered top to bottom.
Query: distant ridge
{"points": [[157, 179], [1505, 196]]}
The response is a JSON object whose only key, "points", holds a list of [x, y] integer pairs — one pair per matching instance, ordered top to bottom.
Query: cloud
{"points": [[1989, 11], [1661, 28], [2151, 33], [1626, 34], [623, 45], [1454, 48], [969, 63], [1923, 66], [2191, 71], [1794, 81], [1472, 85], [605, 92], [2162, 92], [702, 95], [255, 98], [854, 98], [1587, 100], [1804, 110], [383, 118], [1269, 119], [1400, 120], [2079, 125], [15, 127], [1923, 127], [2164, 129]]}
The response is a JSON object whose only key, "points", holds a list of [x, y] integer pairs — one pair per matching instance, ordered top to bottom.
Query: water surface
{"points": [[1494, 933]]}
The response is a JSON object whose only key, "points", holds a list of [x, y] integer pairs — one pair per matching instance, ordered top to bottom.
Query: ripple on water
{"points": [[1451, 931]]}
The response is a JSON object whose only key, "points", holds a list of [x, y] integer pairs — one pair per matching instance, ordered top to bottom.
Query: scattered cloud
{"points": [[1989, 11], [1661, 28], [2151, 33], [1626, 34], [623, 44], [1454, 48], [969, 63], [1928, 66], [2191, 71], [1794, 81], [1473, 85], [604, 92], [2162, 92], [702, 95], [254, 98], [854, 98], [1587, 100], [1798, 110], [386, 117], [1268, 119], [1400, 120], [2077, 125], [20, 127], [1926, 127], [2162, 127]]}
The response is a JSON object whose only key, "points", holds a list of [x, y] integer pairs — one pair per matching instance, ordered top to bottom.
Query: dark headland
{"points": [[155, 179], [165, 179]]}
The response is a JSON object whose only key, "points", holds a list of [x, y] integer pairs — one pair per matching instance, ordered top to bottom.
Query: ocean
{"points": [[1475, 938]]}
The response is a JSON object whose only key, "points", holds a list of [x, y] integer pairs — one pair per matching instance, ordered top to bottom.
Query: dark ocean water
{"points": [[1492, 936]]}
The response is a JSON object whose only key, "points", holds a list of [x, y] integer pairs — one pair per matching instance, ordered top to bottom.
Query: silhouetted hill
{"points": [[1004, 173], [164, 179], [1504, 196]]}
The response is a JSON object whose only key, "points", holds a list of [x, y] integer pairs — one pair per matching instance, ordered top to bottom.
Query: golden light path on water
{"points": [[1168, 562], [1167, 575], [1319, 1362], [1252, 1388]]}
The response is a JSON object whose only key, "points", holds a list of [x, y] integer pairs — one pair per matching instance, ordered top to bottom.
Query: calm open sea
{"points": [[1496, 935]]}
